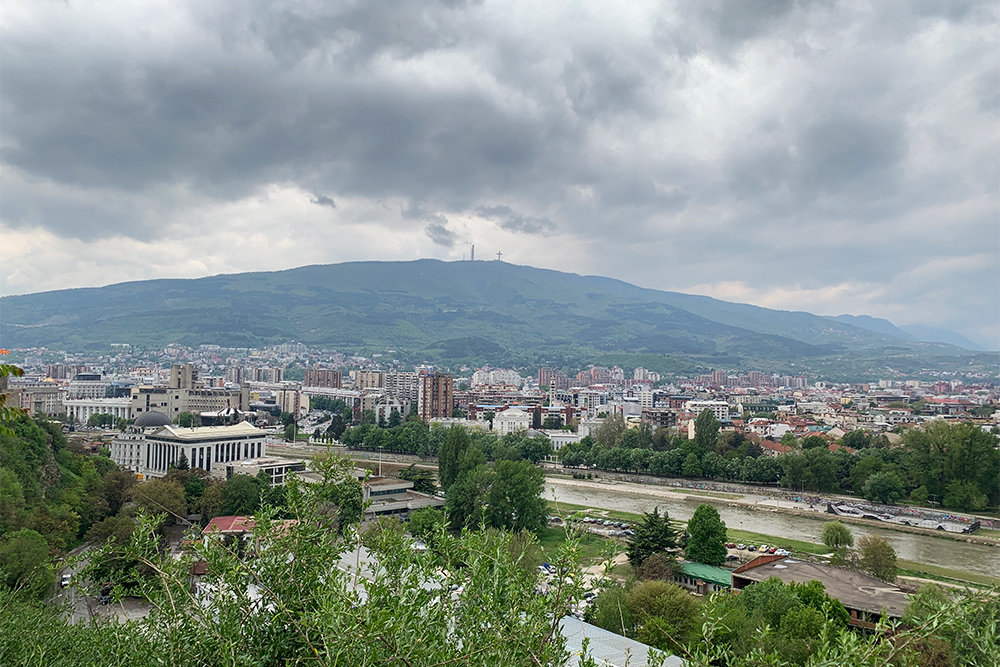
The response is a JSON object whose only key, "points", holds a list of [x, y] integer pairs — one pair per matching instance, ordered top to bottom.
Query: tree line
{"points": [[956, 465]]}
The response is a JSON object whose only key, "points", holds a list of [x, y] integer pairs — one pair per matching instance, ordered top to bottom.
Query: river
{"points": [[953, 554]]}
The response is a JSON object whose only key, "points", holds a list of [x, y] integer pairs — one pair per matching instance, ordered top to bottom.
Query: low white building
{"points": [[719, 408], [83, 409], [511, 420]]}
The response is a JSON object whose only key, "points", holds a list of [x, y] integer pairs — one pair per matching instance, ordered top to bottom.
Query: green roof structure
{"points": [[708, 573]]}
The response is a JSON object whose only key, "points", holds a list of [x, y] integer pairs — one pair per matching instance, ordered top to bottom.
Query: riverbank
{"points": [[759, 504], [921, 572]]}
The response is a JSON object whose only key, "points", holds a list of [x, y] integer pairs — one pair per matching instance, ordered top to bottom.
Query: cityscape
{"points": [[499, 334]]}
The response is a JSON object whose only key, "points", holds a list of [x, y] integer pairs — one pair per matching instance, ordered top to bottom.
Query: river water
{"points": [[953, 554]]}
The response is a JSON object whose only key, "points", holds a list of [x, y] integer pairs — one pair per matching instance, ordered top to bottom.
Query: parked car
{"points": [[731, 545], [741, 546], [762, 547], [751, 548], [772, 550], [783, 552], [732, 557], [64, 582]]}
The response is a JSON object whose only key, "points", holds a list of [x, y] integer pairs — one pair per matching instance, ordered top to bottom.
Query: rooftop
{"points": [[211, 432], [708, 573], [854, 589]]}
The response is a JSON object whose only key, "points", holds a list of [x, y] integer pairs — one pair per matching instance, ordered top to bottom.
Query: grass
{"points": [[712, 494], [988, 532], [758, 539], [593, 548], [924, 571]]}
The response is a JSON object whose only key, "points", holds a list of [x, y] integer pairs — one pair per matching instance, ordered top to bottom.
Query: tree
{"points": [[489, 416], [394, 418], [101, 419], [187, 420], [552, 422], [706, 431], [610, 432], [455, 443], [535, 448], [692, 466], [423, 479], [883, 487], [159, 496], [241, 496], [467, 496], [964, 496], [515, 497], [425, 522], [653, 535], [837, 535], [707, 543], [877, 558], [24, 563], [666, 615]]}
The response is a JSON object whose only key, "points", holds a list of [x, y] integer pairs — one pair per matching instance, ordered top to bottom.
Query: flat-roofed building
{"points": [[323, 377], [435, 398], [150, 447], [278, 470], [865, 597]]}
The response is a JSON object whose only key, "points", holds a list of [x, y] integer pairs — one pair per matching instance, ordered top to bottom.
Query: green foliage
{"points": [[101, 420], [187, 420], [706, 431], [455, 444], [423, 479], [883, 487], [162, 496], [515, 498], [425, 523], [653, 535], [837, 535], [707, 541], [877, 558], [24, 563], [665, 614]]}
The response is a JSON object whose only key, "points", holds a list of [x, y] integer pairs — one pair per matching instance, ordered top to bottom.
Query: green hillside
{"points": [[463, 312]]}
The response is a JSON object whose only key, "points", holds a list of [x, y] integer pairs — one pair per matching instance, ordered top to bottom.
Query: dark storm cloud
{"points": [[712, 133], [323, 200], [506, 218]]}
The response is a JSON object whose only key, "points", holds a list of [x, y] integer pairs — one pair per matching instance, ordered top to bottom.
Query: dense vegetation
{"points": [[457, 313], [954, 464]]}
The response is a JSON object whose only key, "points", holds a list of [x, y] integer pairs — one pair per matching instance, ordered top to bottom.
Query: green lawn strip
{"points": [[988, 532], [758, 539], [592, 547], [923, 570]]}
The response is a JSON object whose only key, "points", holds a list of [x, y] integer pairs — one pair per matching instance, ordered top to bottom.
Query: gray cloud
{"points": [[713, 139], [323, 200], [511, 221]]}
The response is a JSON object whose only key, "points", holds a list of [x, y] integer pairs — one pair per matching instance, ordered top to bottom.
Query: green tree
{"points": [[394, 418], [187, 420], [706, 431], [610, 432], [455, 443], [536, 448], [692, 466], [423, 479], [883, 487], [468, 495], [241, 496], [964, 496], [162, 497], [515, 497], [425, 523], [653, 535], [837, 535], [707, 541], [877, 558], [24, 563], [665, 614]]}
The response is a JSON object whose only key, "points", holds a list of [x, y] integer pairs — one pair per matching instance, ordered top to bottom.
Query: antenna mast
{"points": [[499, 255]]}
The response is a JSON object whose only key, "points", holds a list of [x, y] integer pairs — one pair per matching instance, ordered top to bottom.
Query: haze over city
{"points": [[810, 156]]}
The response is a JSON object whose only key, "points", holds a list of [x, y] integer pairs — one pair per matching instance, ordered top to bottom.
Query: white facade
{"points": [[719, 408], [83, 409], [511, 420], [152, 451]]}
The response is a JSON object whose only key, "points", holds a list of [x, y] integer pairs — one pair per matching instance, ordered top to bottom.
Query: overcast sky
{"points": [[835, 157]]}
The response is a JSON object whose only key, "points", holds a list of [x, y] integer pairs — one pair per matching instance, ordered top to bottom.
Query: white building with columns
{"points": [[83, 409], [151, 445]]}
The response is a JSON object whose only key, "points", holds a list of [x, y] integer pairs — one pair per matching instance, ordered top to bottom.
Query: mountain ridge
{"points": [[476, 312]]}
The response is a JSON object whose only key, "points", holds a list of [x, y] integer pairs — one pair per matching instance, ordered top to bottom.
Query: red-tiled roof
{"points": [[230, 524]]}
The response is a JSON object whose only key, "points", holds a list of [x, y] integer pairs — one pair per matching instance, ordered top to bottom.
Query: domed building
{"points": [[151, 419]]}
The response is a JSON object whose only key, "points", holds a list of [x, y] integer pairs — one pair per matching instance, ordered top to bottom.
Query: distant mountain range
{"points": [[465, 313], [911, 332]]}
